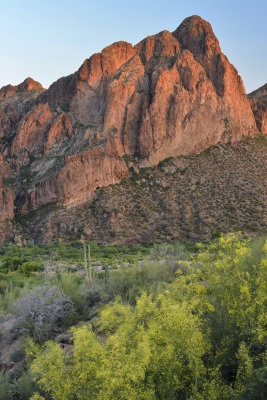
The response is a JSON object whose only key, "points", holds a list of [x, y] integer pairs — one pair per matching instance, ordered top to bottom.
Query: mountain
{"points": [[29, 85], [260, 94], [258, 100], [125, 111]]}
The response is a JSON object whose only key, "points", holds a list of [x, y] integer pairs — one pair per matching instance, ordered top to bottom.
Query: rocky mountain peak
{"points": [[196, 35], [27, 85], [171, 95]]}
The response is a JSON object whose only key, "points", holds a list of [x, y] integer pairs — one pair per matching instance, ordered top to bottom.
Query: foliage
{"points": [[12, 255], [28, 267], [226, 281], [128, 283], [13, 286], [41, 312], [201, 337], [156, 348], [17, 355], [16, 389]]}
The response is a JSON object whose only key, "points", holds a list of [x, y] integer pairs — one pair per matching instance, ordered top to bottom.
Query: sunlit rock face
{"points": [[28, 85], [171, 94]]}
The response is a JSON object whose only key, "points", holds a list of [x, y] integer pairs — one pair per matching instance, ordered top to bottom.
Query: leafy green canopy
{"points": [[202, 338]]}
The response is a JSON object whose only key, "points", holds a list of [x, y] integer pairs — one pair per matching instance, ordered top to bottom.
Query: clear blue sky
{"points": [[48, 39]]}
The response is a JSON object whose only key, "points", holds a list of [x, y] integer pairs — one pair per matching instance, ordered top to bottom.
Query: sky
{"points": [[47, 39]]}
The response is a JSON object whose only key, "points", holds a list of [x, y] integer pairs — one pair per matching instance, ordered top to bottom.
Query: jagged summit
{"points": [[194, 25], [197, 35], [27, 85], [170, 95]]}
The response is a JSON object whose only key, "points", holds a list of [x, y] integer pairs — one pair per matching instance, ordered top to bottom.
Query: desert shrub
{"points": [[169, 254], [11, 263], [28, 267], [129, 282], [70, 284], [13, 285], [94, 293], [82, 294], [9, 295], [41, 312], [64, 338], [17, 355], [16, 389]]}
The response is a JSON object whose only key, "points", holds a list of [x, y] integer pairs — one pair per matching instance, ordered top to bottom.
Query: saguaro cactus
{"points": [[86, 269], [89, 270], [106, 274]]}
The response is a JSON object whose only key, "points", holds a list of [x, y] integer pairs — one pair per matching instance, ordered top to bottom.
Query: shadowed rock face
{"points": [[172, 94], [260, 94], [258, 101], [6, 194]]}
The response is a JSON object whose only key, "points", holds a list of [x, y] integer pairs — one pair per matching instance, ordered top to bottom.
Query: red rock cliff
{"points": [[171, 94]]}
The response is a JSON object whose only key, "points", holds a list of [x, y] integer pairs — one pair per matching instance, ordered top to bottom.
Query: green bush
{"points": [[11, 263], [28, 267], [128, 282], [17, 355], [12, 388]]}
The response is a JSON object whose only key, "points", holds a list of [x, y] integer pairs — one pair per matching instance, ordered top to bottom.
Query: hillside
{"points": [[190, 197]]}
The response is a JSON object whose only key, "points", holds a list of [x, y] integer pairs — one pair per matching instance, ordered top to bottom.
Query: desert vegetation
{"points": [[161, 321]]}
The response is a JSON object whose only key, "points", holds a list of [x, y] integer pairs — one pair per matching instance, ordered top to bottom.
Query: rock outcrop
{"points": [[28, 85], [172, 94], [258, 101], [6, 194], [7, 199]]}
